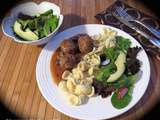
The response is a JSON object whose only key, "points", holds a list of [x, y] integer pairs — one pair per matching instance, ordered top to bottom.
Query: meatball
{"points": [[85, 44], [68, 46], [68, 61]]}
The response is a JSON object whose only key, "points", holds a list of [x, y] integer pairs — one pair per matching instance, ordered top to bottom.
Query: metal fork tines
{"points": [[117, 14], [128, 17]]}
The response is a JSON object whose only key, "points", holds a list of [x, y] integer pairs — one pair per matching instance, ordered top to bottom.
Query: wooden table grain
{"points": [[18, 88]]}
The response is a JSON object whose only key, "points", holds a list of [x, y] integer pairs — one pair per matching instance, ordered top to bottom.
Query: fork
{"points": [[117, 14], [126, 16]]}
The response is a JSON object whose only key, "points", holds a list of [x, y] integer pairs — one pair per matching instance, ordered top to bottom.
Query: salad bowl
{"points": [[30, 8]]}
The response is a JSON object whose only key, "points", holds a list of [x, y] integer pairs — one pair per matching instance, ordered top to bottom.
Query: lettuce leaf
{"points": [[123, 43], [111, 53], [104, 72], [124, 81]]}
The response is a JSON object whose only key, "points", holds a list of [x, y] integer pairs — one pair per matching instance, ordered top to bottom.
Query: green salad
{"points": [[31, 28], [119, 75]]}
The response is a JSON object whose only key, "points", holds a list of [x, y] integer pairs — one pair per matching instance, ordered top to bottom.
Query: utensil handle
{"points": [[153, 31], [151, 51]]}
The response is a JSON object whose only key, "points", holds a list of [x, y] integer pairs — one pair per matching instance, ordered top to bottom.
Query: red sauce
{"points": [[56, 68]]}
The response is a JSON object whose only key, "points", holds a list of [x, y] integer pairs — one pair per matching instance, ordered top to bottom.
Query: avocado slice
{"points": [[26, 35], [120, 64]]}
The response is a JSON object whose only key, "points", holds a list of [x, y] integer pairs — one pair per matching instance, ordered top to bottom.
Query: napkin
{"points": [[105, 17]]}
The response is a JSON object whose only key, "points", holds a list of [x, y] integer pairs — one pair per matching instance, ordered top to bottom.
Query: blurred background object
{"points": [[153, 5], [5, 6], [6, 114]]}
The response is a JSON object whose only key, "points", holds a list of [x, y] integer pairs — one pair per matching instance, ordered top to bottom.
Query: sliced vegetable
{"points": [[26, 35], [120, 64]]}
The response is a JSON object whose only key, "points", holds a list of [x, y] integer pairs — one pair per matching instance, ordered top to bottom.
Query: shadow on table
{"points": [[7, 5], [70, 20], [6, 114]]}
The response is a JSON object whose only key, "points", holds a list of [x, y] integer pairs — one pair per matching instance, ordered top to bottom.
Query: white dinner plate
{"points": [[96, 107]]}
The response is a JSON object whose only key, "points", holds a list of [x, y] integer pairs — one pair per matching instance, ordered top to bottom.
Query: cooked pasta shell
{"points": [[96, 37], [112, 43], [95, 60], [82, 66], [90, 71], [66, 74], [77, 74], [87, 81], [63, 86], [70, 86], [83, 90], [92, 92], [82, 98], [74, 100]]}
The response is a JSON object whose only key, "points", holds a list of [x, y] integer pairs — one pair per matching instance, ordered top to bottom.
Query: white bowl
{"points": [[30, 8]]}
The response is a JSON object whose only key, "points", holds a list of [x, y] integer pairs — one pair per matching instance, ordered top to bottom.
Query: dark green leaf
{"points": [[47, 13], [24, 23], [50, 25], [123, 43], [111, 53], [132, 63], [104, 72], [124, 81], [123, 102]]}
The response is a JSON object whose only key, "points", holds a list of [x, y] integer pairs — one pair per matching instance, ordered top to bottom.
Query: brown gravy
{"points": [[56, 70]]}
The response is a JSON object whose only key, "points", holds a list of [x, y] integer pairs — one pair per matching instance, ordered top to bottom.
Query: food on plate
{"points": [[31, 28], [85, 44], [69, 46], [68, 61], [104, 64], [120, 65]]}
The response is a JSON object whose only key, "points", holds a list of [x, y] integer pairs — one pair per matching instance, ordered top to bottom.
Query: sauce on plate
{"points": [[56, 69]]}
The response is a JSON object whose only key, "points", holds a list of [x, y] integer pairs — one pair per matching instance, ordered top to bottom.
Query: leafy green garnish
{"points": [[123, 43], [111, 53], [104, 72], [124, 81], [123, 102]]}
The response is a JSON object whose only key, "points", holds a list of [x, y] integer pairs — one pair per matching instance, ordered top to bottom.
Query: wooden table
{"points": [[18, 88]]}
